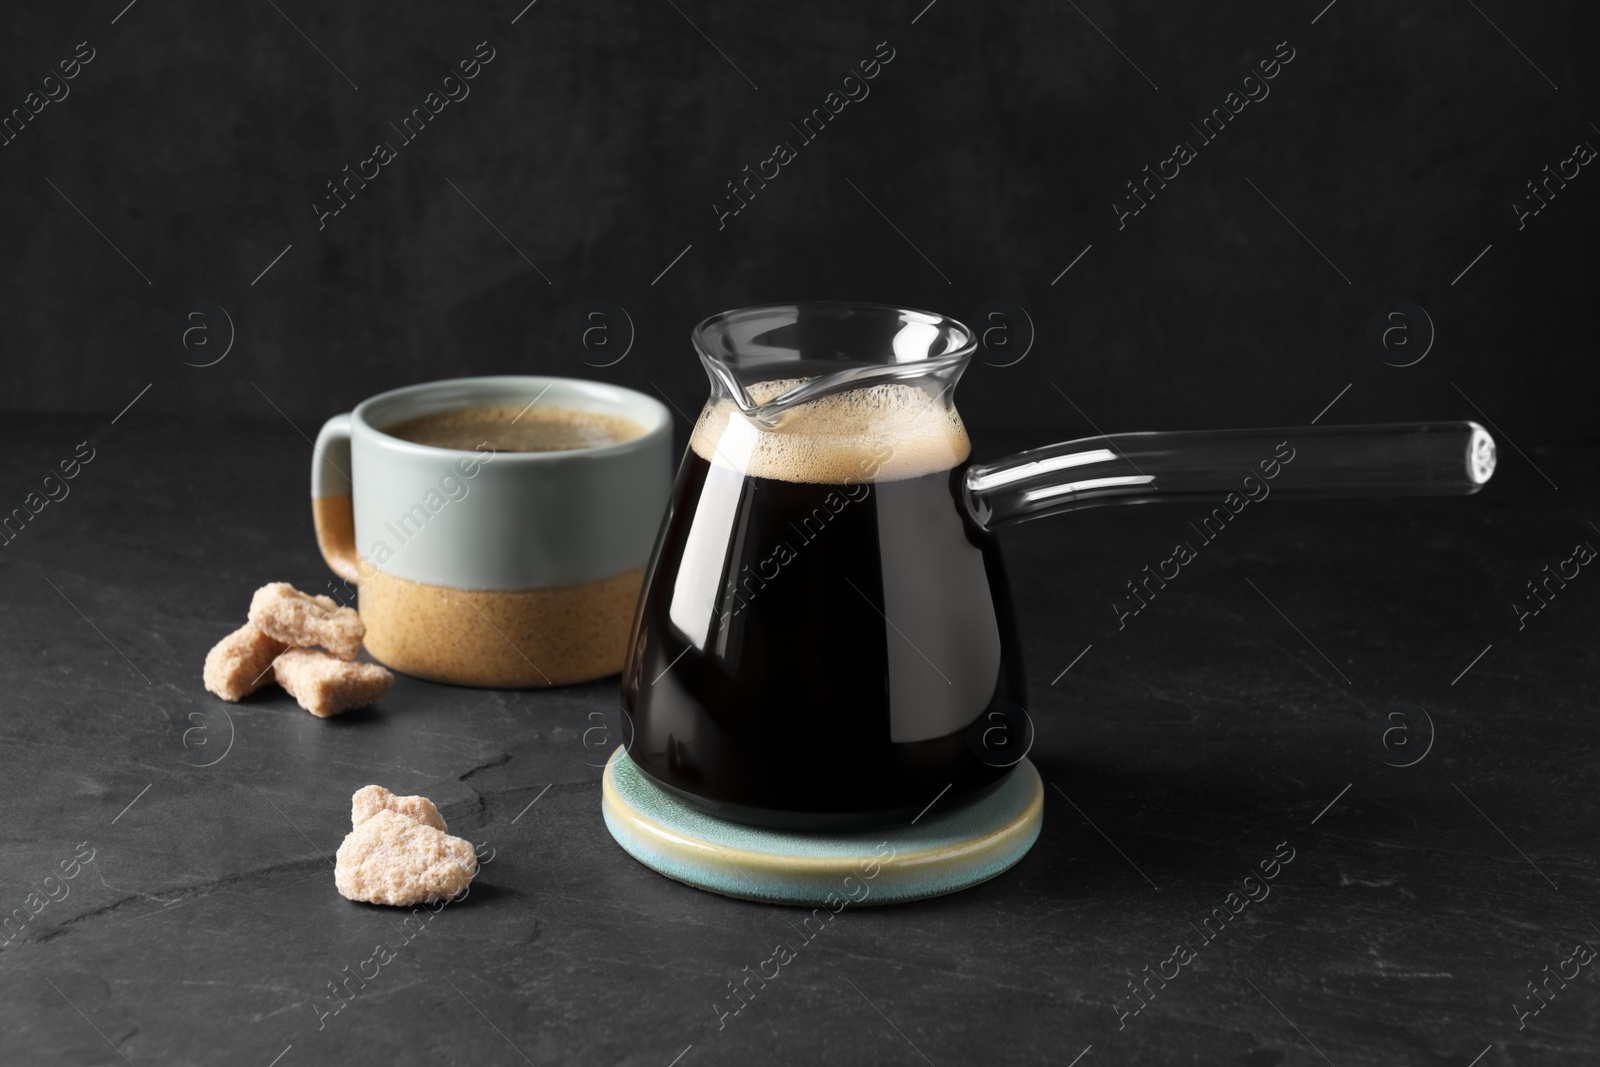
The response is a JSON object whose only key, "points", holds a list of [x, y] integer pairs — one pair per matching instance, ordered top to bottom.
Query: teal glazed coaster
{"points": [[942, 852]]}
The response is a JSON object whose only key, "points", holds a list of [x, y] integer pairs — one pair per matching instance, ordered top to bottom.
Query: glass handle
{"points": [[1307, 462]]}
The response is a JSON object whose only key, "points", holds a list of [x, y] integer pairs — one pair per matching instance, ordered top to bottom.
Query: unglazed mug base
{"points": [[500, 638]]}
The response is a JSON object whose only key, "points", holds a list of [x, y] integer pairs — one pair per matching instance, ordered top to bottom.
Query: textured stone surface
{"points": [[1177, 753]]}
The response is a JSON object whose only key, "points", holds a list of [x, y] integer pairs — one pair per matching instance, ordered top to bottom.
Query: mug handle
{"points": [[332, 511]]}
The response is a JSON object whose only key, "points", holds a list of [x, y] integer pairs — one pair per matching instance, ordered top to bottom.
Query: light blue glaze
{"points": [[950, 847]]}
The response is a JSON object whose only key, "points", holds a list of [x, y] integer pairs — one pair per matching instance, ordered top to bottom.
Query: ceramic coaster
{"points": [[948, 848]]}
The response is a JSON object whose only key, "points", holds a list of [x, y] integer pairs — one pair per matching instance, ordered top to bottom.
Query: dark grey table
{"points": [[1263, 704]]}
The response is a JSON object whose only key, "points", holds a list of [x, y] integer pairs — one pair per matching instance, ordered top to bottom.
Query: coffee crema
{"points": [[517, 428], [880, 433]]}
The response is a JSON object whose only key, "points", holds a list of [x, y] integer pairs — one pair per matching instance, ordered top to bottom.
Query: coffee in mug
{"points": [[517, 428]]}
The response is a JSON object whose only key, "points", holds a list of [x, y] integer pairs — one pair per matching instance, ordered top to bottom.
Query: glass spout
{"points": [[811, 350], [1311, 462]]}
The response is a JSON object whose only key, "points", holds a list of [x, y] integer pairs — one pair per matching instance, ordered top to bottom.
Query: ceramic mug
{"points": [[490, 567]]}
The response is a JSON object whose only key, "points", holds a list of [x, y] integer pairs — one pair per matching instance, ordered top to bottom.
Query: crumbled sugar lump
{"points": [[302, 620], [241, 663], [325, 685], [370, 800], [392, 859]]}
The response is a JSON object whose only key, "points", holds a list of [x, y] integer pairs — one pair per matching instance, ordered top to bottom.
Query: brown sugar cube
{"points": [[302, 620], [241, 663], [325, 685], [370, 800], [390, 859]]}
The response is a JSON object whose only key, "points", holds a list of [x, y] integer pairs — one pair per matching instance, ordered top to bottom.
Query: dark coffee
{"points": [[516, 428], [826, 634]]}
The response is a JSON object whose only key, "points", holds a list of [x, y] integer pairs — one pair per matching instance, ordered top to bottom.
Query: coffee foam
{"points": [[517, 428], [879, 433]]}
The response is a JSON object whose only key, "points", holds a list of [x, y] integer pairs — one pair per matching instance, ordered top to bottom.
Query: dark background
{"points": [[200, 135]]}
